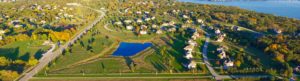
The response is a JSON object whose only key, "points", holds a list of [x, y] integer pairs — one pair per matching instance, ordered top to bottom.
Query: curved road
{"points": [[47, 58], [208, 65]]}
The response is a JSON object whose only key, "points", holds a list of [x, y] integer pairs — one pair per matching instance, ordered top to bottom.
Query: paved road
{"points": [[47, 58], [208, 65]]}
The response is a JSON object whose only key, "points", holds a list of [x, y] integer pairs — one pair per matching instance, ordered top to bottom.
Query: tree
{"points": [[3, 61], [32, 61], [238, 63], [272, 72], [7, 75]]}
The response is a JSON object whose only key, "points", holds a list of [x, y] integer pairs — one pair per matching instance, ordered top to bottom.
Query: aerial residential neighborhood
{"points": [[148, 40]]}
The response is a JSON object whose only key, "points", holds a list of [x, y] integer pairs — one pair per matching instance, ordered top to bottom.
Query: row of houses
{"points": [[8, 0], [220, 35], [189, 49], [227, 62]]}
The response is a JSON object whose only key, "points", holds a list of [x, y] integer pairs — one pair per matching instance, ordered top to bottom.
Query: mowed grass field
{"points": [[24, 49], [80, 50], [147, 61], [126, 79]]}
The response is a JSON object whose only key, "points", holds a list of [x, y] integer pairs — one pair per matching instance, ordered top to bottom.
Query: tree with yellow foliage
{"points": [[32, 61], [7, 75]]}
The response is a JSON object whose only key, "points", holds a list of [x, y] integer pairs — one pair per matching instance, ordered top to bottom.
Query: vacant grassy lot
{"points": [[88, 46], [23, 50], [122, 79]]}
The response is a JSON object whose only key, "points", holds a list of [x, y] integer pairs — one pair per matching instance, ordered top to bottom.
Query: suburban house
{"points": [[138, 12], [185, 16], [152, 18], [139, 20], [127, 21], [200, 21], [118, 23], [154, 26], [129, 27], [144, 27], [172, 29], [217, 31], [277, 31], [2, 32], [143, 32], [158, 32], [195, 35], [221, 37], [191, 42], [189, 48], [188, 55], [228, 63], [192, 64], [297, 69]]}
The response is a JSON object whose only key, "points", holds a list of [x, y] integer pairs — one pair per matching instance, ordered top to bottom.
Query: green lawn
{"points": [[23, 50], [79, 50], [101, 66], [121, 79]]}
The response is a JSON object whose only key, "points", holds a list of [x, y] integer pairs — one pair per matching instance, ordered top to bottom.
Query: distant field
{"points": [[122, 79]]}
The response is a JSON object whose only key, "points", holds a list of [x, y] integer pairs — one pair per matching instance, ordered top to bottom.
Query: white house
{"points": [[138, 12], [146, 12], [185, 16], [152, 18], [147, 19], [139, 20], [43, 21], [127, 21], [189, 21], [200, 21], [118, 23], [172, 23], [165, 24], [18, 26], [154, 26], [129, 27], [144, 27], [172, 29], [217, 31], [278, 31], [2, 32], [143, 32], [158, 32], [195, 35], [221, 38], [191, 42], [189, 48], [189, 56], [228, 63], [192, 65]]}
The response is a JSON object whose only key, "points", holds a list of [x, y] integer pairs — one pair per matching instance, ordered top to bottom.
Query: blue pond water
{"points": [[130, 49]]}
